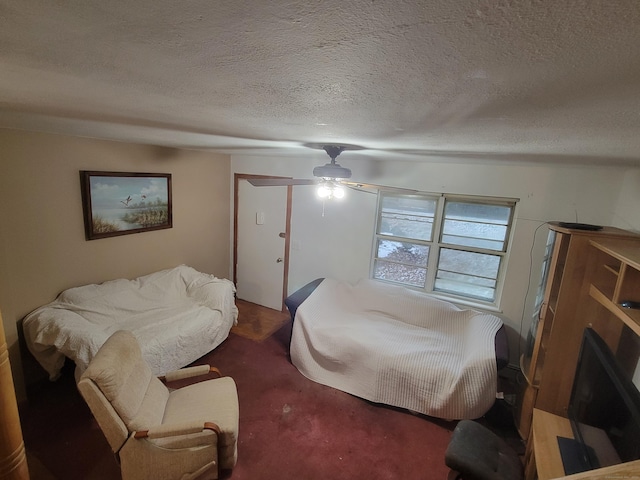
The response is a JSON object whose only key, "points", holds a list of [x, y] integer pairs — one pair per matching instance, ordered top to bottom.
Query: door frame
{"points": [[285, 277]]}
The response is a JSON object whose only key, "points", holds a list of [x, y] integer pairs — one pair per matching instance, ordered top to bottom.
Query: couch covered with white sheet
{"points": [[177, 315], [396, 346]]}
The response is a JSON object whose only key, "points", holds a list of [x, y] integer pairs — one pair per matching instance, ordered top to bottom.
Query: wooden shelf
{"points": [[624, 250], [613, 269], [590, 274], [630, 317], [547, 427], [546, 430]]}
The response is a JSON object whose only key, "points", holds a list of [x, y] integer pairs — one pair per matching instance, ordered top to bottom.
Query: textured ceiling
{"points": [[548, 80]]}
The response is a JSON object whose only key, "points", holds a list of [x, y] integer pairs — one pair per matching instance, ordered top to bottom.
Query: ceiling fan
{"points": [[330, 178]]}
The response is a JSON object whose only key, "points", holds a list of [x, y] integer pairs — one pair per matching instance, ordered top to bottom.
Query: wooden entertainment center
{"points": [[589, 274]]}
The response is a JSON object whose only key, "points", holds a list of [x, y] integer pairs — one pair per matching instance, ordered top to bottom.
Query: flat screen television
{"points": [[604, 411]]}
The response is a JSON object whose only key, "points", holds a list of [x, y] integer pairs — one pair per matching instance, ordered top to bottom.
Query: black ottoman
{"points": [[479, 454]]}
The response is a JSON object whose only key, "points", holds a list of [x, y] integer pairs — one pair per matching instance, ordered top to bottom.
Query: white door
{"points": [[262, 220]]}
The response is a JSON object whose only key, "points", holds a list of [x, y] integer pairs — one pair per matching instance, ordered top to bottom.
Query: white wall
{"points": [[627, 212], [339, 244]]}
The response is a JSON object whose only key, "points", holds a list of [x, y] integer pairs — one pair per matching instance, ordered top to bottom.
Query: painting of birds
{"points": [[126, 202]]}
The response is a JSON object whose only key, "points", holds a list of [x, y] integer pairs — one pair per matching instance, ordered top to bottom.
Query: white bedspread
{"points": [[177, 315], [392, 345]]}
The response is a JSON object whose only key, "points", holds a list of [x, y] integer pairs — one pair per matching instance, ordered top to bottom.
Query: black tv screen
{"points": [[604, 408]]}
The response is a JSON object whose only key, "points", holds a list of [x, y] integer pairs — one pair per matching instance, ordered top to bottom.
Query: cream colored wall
{"points": [[42, 245]]}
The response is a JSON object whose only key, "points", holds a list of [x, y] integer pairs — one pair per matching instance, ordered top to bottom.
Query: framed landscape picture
{"points": [[121, 203]]}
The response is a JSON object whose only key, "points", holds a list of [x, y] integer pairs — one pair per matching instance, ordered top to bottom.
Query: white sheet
{"points": [[177, 315], [392, 345]]}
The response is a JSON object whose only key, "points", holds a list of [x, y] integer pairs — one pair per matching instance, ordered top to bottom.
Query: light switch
{"points": [[259, 218]]}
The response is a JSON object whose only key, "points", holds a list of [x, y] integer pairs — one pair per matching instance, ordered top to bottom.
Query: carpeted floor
{"points": [[290, 427]]}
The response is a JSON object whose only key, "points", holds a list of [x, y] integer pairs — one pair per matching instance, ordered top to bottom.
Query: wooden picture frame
{"points": [[122, 203]]}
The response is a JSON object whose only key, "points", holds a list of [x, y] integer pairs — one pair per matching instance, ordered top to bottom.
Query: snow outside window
{"points": [[453, 246]]}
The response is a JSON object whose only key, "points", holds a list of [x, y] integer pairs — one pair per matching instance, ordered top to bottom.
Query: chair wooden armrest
{"points": [[189, 372], [162, 431]]}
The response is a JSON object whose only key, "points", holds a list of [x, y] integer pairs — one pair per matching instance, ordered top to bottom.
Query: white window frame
{"points": [[436, 243]]}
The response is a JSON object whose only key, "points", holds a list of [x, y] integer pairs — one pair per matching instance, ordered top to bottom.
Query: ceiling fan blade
{"points": [[329, 175], [280, 182], [368, 187]]}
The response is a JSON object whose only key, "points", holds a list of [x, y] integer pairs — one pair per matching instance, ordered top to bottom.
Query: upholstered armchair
{"points": [[158, 433]]}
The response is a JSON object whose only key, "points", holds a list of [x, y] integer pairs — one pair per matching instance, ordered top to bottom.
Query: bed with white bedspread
{"points": [[177, 315], [399, 347]]}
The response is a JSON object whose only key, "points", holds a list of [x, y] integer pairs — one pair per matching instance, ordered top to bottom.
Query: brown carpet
{"points": [[258, 323]]}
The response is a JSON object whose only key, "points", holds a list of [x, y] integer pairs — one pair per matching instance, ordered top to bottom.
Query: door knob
{"points": [[279, 260]]}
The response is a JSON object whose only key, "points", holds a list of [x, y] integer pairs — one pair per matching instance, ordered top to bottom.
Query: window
{"points": [[451, 245]]}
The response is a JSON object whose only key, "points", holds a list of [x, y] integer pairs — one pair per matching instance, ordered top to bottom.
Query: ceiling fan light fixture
{"points": [[332, 170], [329, 189], [323, 191]]}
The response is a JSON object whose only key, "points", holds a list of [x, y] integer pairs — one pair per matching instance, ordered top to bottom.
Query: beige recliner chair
{"points": [[158, 433]]}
